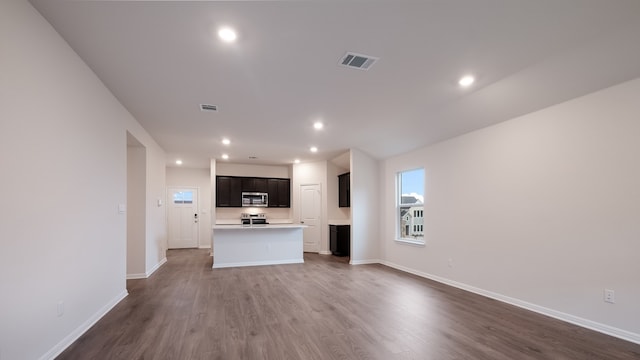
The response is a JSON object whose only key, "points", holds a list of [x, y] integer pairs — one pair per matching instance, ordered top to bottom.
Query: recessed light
{"points": [[227, 34], [466, 80], [318, 125], [226, 141], [313, 149], [225, 156], [297, 161], [178, 162]]}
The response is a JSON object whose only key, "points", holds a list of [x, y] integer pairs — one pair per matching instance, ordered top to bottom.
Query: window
{"points": [[183, 197], [411, 206]]}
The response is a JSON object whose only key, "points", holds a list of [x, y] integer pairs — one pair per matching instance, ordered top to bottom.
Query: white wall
{"points": [[63, 146], [268, 171], [309, 174], [325, 174], [201, 179], [365, 205], [136, 210], [542, 211], [335, 213], [274, 215], [156, 226]]}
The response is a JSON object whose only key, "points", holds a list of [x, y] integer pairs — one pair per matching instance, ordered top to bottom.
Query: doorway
{"points": [[310, 211], [182, 217]]}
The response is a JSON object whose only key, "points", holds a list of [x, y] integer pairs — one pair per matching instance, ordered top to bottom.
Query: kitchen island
{"points": [[241, 245]]}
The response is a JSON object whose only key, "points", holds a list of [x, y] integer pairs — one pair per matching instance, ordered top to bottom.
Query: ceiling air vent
{"points": [[357, 61], [207, 107]]}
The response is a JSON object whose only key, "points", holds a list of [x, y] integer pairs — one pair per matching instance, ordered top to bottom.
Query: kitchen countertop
{"points": [[339, 222], [258, 227]]}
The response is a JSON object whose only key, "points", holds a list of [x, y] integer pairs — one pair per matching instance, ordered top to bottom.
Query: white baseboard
{"points": [[204, 247], [325, 252], [364, 262], [258, 263], [148, 273], [136, 276], [589, 324], [74, 335]]}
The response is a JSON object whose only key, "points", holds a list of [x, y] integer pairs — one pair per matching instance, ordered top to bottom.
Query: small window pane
{"points": [[183, 197]]}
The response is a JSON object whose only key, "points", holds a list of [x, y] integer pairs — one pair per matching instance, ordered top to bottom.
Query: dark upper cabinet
{"points": [[250, 184], [272, 187], [344, 190], [223, 191], [228, 191], [236, 192], [279, 192], [284, 192]]}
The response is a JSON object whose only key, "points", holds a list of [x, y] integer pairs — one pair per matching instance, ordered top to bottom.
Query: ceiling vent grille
{"points": [[357, 61], [207, 107]]}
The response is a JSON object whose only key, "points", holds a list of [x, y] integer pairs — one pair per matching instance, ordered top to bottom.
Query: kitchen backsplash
{"points": [[232, 215]]}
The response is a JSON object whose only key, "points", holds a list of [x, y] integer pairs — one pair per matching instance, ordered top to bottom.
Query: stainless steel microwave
{"points": [[255, 199]]}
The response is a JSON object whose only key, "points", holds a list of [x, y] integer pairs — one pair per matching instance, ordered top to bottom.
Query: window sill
{"points": [[411, 242]]}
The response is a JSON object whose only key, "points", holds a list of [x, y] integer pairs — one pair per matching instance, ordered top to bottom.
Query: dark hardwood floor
{"points": [[323, 309]]}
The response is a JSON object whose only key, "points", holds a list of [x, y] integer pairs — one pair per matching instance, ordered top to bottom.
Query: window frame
{"points": [[398, 210]]}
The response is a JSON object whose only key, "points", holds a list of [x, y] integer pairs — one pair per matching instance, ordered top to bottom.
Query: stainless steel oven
{"points": [[253, 219]]}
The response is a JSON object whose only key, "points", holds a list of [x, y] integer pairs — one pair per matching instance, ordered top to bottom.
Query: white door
{"points": [[310, 210], [183, 217]]}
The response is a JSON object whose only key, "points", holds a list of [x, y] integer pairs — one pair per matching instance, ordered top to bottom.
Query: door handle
{"points": [[301, 222]]}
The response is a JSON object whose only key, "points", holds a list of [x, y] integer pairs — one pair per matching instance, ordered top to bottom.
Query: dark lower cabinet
{"points": [[340, 239]]}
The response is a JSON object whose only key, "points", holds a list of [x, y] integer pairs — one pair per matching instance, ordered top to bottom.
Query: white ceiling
{"points": [[162, 59]]}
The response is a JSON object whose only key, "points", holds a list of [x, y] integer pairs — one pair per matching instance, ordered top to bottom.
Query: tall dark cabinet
{"points": [[344, 190], [340, 239]]}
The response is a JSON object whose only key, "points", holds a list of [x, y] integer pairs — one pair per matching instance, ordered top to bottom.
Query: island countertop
{"points": [[257, 227]]}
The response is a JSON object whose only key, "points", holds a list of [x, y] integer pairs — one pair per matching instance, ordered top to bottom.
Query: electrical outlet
{"points": [[450, 262], [609, 296]]}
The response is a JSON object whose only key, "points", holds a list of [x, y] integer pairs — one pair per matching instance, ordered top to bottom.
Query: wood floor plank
{"points": [[323, 309]]}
